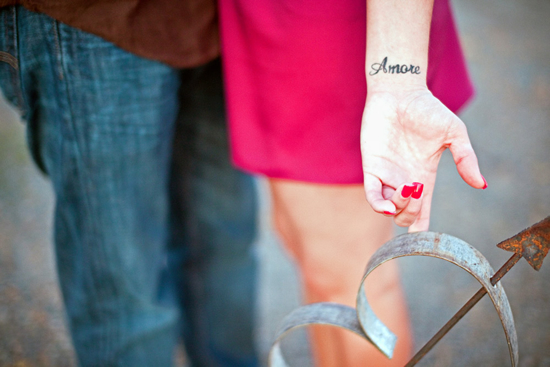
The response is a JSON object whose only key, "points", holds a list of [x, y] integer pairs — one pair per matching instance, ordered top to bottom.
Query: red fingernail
{"points": [[485, 186], [418, 188], [407, 191], [389, 213]]}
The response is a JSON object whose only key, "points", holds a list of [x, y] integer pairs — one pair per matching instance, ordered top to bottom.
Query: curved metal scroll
{"points": [[322, 313], [364, 322]]}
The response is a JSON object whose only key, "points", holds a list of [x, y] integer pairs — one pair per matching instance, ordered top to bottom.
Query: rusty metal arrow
{"points": [[532, 243], [364, 322]]}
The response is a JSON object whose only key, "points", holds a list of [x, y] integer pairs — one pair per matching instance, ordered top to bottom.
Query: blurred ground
{"points": [[508, 49]]}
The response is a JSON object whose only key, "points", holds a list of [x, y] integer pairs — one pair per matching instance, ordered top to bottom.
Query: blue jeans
{"points": [[153, 227]]}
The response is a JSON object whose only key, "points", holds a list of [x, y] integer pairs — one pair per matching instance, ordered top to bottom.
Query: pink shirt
{"points": [[296, 89]]}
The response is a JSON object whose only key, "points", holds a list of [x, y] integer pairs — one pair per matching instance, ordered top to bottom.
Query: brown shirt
{"points": [[181, 33]]}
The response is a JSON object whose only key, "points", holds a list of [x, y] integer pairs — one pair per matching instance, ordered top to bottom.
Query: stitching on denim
{"points": [[57, 43], [9, 59], [18, 73], [111, 332]]}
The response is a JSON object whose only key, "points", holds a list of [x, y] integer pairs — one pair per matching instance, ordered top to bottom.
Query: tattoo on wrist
{"points": [[393, 69]]}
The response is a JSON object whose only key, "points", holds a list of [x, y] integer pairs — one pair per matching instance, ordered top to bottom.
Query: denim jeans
{"points": [[153, 227]]}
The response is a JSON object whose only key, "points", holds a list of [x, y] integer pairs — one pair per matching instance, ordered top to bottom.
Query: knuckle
{"points": [[403, 220]]}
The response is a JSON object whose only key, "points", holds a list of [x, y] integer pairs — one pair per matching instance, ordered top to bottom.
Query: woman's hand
{"points": [[403, 135]]}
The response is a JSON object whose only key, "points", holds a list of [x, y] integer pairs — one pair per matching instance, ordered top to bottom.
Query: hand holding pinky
{"points": [[402, 138]]}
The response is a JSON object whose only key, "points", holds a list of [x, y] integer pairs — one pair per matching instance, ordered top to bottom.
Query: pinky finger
{"points": [[374, 193]]}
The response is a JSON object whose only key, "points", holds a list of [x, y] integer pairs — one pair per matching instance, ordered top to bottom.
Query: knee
{"points": [[330, 263], [328, 275], [334, 277], [384, 282], [322, 284]]}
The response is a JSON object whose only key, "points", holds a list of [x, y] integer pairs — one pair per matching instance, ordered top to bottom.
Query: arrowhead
{"points": [[532, 243]]}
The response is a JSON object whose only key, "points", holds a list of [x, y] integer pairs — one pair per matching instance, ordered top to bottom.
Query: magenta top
{"points": [[295, 83]]}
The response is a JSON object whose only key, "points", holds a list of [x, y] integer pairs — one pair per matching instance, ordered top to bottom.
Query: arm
{"points": [[397, 31], [405, 128]]}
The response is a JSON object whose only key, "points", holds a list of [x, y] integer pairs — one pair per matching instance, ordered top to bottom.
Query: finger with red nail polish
{"points": [[418, 189], [377, 193], [402, 196], [407, 214]]}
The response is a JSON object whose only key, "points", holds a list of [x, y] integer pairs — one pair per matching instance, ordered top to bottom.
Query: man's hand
{"points": [[403, 135]]}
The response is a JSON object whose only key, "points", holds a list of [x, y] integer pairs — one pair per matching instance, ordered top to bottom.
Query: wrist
{"points": [[393, 74], [398, 89], [400, 99]]}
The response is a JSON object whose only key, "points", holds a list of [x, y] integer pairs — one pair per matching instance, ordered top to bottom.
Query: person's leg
{"points": [[100, 123], [213, 228], [331, 232]]}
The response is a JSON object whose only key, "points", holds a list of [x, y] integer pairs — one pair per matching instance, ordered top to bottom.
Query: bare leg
{"points": [[331, 232]]}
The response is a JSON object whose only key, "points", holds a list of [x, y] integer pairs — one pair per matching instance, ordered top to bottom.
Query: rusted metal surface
{"points": [[532, 243], [430, 244], [450, 249], [505, 268], [462, 312]]}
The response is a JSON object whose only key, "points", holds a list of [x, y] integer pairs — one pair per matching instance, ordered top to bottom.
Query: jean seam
{"points": [[59, 61], [18, 72], [76, 146]]}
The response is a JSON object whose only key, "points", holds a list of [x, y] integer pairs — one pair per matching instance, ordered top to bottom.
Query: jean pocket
{"points": [[9, 59], [9, 80]]}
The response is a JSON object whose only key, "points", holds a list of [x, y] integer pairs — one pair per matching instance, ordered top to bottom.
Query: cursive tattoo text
{"points": [[393, 69]]}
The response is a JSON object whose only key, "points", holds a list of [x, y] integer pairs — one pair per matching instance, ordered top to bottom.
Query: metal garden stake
{"points": [[532, 244]]}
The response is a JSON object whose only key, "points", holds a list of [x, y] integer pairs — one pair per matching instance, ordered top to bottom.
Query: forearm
{"points": [[397, 43]]}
